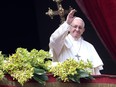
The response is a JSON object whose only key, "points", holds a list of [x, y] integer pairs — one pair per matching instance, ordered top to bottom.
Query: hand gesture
{"points": [[70, 16]]}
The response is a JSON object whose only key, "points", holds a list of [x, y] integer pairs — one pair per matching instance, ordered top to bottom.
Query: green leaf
{"points": [[39, 71], [84, 74], [41, 78], [74, 78]]}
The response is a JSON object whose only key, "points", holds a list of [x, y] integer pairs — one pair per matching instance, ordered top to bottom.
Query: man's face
{"points": [[77, 28]]}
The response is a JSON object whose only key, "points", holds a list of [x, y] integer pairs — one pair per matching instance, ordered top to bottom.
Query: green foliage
{"points": [[38, 58], [1, 60], [1, 65], [24, 65], [71, 70], [40, 76]]}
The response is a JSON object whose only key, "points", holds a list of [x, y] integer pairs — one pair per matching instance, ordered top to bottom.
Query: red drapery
{"points": [[102, 15]]}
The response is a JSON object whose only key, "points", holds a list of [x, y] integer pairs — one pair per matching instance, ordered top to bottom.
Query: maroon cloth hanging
{"points": [[102, 14]]}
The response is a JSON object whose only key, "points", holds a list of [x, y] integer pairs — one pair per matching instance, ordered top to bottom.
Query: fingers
{"points": [[71, 14]]}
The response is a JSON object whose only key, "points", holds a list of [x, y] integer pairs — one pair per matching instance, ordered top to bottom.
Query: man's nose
{"points": [[77, 28]]}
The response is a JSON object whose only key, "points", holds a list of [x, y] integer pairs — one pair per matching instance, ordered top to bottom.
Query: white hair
{"points": [[81, 20]]}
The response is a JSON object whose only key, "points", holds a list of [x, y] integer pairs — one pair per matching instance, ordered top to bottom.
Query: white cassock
{"points": [[63, 46]]}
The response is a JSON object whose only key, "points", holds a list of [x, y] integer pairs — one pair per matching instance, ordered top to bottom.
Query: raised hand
{"points": [[70, 16]]}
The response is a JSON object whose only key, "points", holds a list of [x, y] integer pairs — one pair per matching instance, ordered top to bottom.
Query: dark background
{"points": [[23, 23]]}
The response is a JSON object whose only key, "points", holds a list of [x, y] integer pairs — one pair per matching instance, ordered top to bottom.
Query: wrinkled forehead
{"points": [[79, 20]]}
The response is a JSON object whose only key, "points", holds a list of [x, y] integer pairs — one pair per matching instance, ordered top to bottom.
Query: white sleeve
{"points": [[58, 37], [96, 58], [97, 62], [97, 70]]}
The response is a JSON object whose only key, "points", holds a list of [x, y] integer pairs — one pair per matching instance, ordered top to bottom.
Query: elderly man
{"points": [[67, 42]]}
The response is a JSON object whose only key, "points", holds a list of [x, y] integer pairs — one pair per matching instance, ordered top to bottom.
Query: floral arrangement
{"points": [[24, 65], [71, 70]]}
